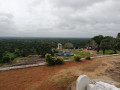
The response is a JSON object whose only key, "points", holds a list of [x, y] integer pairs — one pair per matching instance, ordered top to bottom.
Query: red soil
{"points": [[49, 77], [21, 79]]}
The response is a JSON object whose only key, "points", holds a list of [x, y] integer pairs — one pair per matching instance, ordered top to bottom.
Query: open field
{"points": [[61, 76]]}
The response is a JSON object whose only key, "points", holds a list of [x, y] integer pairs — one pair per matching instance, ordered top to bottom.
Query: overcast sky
{"points": [[59, 18]]}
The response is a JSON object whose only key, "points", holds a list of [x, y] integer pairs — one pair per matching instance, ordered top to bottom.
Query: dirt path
{"points": [[59, 77]]}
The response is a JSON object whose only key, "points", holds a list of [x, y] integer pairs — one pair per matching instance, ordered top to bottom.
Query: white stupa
{"points": [[83, 83]]}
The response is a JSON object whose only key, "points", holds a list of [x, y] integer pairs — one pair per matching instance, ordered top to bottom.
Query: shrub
{"points": [[56, 51], [48, 57], [12, 58], [77, 58], [88, 58], [6, 59], [0, 60], [50, 60], [53, 60], [59, 60]]}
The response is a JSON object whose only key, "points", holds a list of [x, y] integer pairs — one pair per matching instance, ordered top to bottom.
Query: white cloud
{"points": [[59, 18]]}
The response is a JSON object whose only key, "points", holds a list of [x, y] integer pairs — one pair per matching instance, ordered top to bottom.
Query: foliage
{"points": [[118, 36], [98, 39], [109, 43], [106, 44], [118, 44], [68, 46], [23, 47], [44, 48], [56, 51], [107, 52], [81, 53], [1, 55], [10, 55], [48, 57], [68, 58], [77, 58], [88, 58], [6, 59], [50, 60], [53, 60], [59, 60]]}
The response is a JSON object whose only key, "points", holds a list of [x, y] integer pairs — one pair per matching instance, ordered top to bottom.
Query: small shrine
{"points": [[59, 46]]}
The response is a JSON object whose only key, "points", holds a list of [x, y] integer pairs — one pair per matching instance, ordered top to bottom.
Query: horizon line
{"points": [[40, 37]]}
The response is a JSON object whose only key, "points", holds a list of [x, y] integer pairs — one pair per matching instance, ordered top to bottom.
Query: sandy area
{"points": [[61, 76]]}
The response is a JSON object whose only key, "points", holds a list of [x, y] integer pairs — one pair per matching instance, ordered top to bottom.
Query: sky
{"points": [[59, 18]]}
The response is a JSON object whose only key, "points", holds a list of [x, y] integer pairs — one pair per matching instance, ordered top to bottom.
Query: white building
{"points": [[59, 46]]}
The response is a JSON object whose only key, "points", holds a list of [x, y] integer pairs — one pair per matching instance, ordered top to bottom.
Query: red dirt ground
{"points": [[22, 78], [40, 78]]}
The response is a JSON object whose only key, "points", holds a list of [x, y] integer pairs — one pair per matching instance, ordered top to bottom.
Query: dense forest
{"points": [[11, 48]]}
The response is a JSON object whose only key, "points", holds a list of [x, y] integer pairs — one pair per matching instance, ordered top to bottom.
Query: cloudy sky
{"points": [[59, 18]]}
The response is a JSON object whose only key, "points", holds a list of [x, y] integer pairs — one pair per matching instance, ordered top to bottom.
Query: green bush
{"points": [[56, 51], [48, 57], [12, 58], [77, 58], [88, 58], [6, 59], [0, 60], [50, 60], [53, 60], [59, 60]]}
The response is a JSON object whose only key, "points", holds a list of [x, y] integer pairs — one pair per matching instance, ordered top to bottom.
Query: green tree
{"points": [[118, 36], [98, 40], [109, 43], [118, 44], [68, 46], [44, 48], [25, 52], [17, 53], [1, 55], [6, 59]]}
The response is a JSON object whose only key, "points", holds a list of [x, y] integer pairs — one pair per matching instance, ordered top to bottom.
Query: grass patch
{"points": [[107, 52], [118, 52], [79, 53], [82, 53], [11, 55], [32, 55], [18, 58], [68, 58], [69, 73], [66, 80], [63, 81], [60, 82]]}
